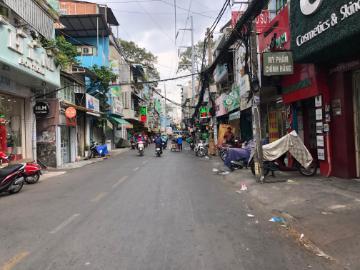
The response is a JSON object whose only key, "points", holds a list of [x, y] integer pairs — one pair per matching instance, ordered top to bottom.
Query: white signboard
{"points": [[92, 103]]}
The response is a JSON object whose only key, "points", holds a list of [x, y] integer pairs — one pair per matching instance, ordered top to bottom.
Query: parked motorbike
{"points": [[140, 146], [201, 149], [223, 149], [97, 150], [275, 152], [237, 158], [32, 172], [12, 178]]}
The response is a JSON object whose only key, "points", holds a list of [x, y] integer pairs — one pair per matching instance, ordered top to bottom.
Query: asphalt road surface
{"points": [[141, 213]]}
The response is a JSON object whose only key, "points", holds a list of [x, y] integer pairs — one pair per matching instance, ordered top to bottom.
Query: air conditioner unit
{"points": [[3, 20], [89, 49]]}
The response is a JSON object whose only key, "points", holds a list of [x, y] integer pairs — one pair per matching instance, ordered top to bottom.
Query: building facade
{"points": [[28, 72]]}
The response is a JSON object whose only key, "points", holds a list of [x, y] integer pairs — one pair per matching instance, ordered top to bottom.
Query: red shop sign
{"points": [[70, 112]]}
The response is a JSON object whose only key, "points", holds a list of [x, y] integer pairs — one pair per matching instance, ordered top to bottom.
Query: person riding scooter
{"points": [[158, 142]]}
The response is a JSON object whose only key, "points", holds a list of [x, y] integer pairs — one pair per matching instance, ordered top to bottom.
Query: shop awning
{"points": [[121, 121]]}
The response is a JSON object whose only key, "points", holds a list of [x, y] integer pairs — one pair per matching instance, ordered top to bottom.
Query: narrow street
{"points": [[141, 213]]}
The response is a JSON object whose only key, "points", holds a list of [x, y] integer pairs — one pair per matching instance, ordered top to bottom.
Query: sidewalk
{"points": [[52, 172], [322, 214]]}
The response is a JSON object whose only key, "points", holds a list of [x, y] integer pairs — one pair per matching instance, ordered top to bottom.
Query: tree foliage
{"points": [[64, 52], [138, 55], [185, 57], [104, 77]]}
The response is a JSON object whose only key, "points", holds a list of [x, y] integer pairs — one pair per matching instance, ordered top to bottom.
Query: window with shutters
{"points": [[15, 42]]}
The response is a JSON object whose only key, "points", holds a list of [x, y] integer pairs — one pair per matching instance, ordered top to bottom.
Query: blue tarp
{"points": [[102, 150]]}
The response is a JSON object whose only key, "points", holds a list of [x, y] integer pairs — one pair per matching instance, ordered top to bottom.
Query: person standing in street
{"points": [[179, 142]]}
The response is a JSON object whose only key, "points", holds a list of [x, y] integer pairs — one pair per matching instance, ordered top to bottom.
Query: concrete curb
{"points": [[53, 172]]}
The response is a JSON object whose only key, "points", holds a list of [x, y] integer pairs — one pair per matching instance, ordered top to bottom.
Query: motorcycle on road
{"points": [[141, 147]]}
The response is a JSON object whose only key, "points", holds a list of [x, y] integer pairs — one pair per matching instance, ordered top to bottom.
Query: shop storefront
{"points": [[328, 35], [25, 70], [94, 123], [12, 129]]}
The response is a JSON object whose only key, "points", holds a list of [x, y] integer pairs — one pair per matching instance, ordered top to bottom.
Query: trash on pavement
{"points": [[215, 170], [224, 173], [291, 181], [243, 187], [250, 215], [277, 219], [301, 237]]}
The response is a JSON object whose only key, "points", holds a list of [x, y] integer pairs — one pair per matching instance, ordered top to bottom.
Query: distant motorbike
{"points": [[133, 145], [140, 146], [201, 149], [158, 151], [12, 178]]}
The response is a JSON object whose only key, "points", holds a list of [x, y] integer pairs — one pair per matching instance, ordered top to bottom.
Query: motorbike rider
{"points": [[158, 142]]}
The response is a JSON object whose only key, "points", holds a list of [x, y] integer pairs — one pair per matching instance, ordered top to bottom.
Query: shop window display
{"points": [[11, 110]]}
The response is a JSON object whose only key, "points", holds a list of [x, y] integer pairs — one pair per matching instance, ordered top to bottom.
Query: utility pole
{"points": [[192, 58], [256, 88], [165, 111], [212, 142]]}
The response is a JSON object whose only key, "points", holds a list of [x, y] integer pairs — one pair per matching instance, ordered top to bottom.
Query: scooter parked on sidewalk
{"points": [[97, 150], [275, 152], [32, 170], [12, 178]]}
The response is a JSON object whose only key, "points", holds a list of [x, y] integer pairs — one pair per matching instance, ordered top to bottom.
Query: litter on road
{"points": [[243, 187], [250, 215], [277, 220], [301, 237]]}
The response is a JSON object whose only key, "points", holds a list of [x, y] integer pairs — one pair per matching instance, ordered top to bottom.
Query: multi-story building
{"points": [[88, 26], [27, 73]]}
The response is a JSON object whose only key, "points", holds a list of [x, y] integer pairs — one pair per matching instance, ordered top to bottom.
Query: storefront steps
{"points": [[321, 214]]}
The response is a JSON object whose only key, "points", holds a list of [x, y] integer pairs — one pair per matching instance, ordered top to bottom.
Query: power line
{"points": [[132, 2], [182, 8], [154, 21], [156, 81]]}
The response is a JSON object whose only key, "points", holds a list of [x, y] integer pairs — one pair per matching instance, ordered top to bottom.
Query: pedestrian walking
{"points": [[179, 143]]}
